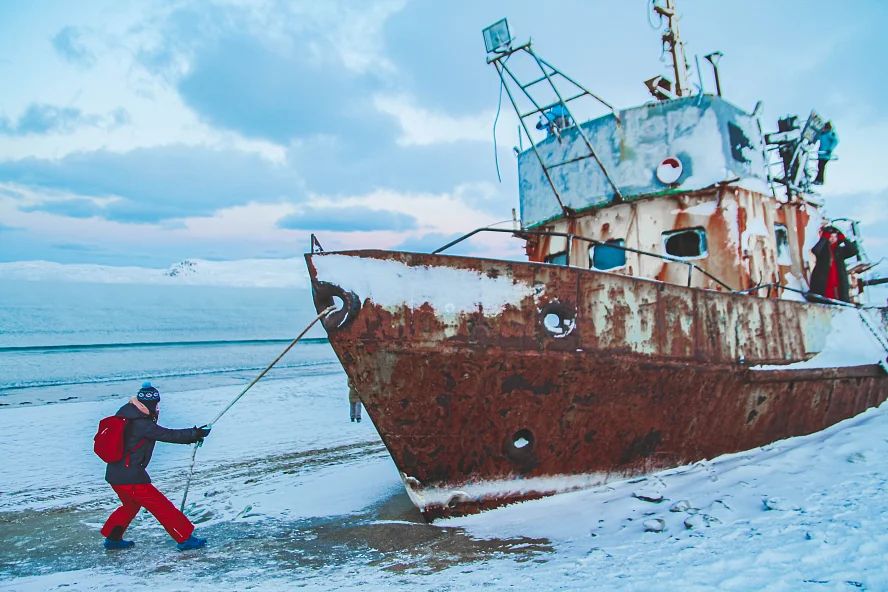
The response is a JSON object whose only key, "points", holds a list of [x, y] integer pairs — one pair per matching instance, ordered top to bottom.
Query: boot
{"points": [[193, 542], [118, 544]]}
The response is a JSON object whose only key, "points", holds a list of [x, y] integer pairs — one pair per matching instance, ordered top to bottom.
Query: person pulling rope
{"points": [[209, 426], [125, 441]]}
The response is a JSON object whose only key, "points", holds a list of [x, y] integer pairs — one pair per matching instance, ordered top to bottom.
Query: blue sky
{"points": [[143, 133]]}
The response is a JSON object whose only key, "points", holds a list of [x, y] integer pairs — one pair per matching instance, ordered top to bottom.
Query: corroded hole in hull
{"points": [[521, 446]]}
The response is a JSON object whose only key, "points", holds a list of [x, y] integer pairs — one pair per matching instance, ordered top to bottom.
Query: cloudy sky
{"points": [[142, 133]]}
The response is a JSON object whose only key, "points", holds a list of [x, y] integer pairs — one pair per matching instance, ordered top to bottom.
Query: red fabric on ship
{"points": [[832, 280]]}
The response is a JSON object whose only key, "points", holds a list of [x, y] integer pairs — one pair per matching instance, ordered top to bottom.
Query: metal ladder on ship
{"points": [[549, 74]]}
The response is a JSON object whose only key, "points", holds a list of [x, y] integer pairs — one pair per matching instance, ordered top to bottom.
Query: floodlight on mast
{"points": [[497, 38]]}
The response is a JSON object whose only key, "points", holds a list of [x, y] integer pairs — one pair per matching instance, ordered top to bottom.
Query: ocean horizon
{"points": [[95, 338]]}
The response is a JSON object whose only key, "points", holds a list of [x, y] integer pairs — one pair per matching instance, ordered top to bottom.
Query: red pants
{"points": [[134, 498]]}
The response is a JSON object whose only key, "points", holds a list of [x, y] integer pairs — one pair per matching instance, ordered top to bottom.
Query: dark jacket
{"points": [[844, 249], [142, 426]]}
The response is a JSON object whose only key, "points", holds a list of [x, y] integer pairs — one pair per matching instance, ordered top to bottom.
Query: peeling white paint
{"points": [[729, 205], [707, 208], [755, 227], [392, 285]]}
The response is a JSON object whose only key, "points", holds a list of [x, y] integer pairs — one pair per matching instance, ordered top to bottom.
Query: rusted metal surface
{"points": [[741, 253], [640, 376]]}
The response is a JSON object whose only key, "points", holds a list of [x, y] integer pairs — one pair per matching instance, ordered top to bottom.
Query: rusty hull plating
{"points": [[588, 377]]}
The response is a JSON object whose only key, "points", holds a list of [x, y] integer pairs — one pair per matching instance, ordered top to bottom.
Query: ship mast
{"points": [[673, 43]]}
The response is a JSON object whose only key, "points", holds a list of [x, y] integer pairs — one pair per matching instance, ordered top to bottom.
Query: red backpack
{"points": [[108, 441]]}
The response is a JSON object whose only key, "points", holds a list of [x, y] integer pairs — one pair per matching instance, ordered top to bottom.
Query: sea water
{"points": [[60, 340]]}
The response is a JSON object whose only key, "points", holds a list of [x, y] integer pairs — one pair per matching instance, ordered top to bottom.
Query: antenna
{"points": [[674, 45], [713, 59]]}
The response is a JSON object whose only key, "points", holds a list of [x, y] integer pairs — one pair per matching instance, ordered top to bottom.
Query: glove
{"points": [[203, 431]]}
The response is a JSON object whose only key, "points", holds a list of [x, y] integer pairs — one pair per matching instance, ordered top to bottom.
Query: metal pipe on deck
{"points": [[713, 59]]}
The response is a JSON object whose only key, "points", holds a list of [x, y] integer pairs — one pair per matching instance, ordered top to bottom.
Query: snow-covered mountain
{"points": [[264, 273]]}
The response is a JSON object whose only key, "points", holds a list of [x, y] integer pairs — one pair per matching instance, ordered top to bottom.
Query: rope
{"points": [[651, 22], [499, 106], [872, 330], [197, 445]]}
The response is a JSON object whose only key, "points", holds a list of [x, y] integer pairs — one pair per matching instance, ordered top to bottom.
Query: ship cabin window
{"points": [[782, 237], [689, 243], [604, 257], [557, 258]]}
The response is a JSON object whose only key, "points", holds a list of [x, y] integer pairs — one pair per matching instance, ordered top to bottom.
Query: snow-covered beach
{"points": [[567, 243], [291, 494]]}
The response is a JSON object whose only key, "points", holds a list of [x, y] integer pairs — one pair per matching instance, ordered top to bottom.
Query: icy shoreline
{"points": [[298, 496]]}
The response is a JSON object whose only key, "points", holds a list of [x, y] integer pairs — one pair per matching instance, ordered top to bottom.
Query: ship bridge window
{"points": [[782, 237], [685, 244], [605, 257], [557, 258]]}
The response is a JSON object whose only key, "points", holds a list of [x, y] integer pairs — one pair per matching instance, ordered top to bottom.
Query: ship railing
{"points": [[571, 237], [690, 265], [811, 297]]}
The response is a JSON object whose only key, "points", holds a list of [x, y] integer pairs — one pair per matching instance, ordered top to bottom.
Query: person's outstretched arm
{"points": [[162, 434]]}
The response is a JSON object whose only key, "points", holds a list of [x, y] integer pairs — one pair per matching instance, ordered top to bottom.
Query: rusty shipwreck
{"points": [[662, 315]]}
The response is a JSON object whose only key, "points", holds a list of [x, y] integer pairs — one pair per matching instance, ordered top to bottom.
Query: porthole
{"points": [[557, 319], [521, 444]]}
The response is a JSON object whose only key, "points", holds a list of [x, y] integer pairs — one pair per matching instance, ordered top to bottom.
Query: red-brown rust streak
{"points": [[649, 378]]}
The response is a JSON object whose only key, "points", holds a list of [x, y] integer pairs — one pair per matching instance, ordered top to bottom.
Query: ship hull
{"points": [[517, 380]]}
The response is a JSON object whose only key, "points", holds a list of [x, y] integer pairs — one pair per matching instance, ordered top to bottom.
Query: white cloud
{"points": [[352, 31], [359, 36], [158, 114], [421, 127], [860, 166], [868, 209], [444, 213], [242, 222]]}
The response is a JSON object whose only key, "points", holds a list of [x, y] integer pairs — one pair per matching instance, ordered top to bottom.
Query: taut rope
{"points": [[323, 313]]}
